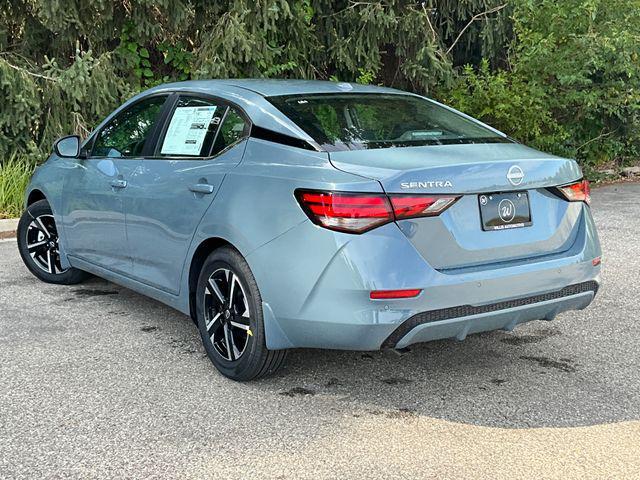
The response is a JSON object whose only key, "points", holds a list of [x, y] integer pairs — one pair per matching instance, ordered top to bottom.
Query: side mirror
{"points": [[67, 147]]}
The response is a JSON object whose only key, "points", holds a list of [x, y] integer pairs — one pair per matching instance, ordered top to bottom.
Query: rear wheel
{"points": [[38, 243], [230, 321]]}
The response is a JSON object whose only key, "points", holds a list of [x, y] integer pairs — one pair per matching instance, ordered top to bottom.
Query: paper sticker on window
{"points": [[187, 130]]}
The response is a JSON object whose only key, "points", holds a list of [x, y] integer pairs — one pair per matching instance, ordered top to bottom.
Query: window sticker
{"points": [[187, 130]]}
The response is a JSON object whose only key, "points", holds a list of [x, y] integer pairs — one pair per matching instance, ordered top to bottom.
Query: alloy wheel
{"points": [[43, 244], [226, 314]]}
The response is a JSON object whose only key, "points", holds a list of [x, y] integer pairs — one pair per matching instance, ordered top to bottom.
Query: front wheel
{"points": [[38, 243], [230, 321]]}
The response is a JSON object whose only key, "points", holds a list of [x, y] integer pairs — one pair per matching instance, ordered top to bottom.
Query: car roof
{"points": [[273, 87]]}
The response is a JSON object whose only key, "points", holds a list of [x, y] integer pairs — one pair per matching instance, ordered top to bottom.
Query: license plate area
{"points": [[501, 211]]}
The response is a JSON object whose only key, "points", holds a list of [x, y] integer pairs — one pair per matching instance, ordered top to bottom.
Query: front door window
{"points": [[125, 135]]}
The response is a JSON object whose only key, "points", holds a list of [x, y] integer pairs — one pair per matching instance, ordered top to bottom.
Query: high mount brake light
{"points": [[577, 192], [359, 212]]}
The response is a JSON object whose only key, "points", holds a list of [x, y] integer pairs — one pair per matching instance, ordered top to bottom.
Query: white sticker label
{"points": [[186, 132]]}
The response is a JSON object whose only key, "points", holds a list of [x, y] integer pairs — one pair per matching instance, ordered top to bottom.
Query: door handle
{"points": [[118, 183], [201, 188]]}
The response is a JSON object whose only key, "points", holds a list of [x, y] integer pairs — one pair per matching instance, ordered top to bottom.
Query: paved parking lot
{"points": [[97, 381]]}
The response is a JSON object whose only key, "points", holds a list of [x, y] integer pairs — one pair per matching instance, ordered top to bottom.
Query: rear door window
{"points": [[192, 128], [234, 128]]}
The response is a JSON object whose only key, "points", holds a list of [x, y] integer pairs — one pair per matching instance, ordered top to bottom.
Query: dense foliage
{"points": [[562, 76], [573, 83]]}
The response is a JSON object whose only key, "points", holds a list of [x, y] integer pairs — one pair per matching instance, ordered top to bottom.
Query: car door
{"points": [[202, 139], [95, 188]]}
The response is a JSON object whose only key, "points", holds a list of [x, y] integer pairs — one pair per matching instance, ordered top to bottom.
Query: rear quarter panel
{"points": [[256, 203]]}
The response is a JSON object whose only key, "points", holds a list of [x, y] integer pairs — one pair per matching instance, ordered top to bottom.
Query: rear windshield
{"points": [[360, 121]]}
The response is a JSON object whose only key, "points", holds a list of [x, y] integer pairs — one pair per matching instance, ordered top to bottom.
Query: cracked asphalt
{"points": [[97, 381]]}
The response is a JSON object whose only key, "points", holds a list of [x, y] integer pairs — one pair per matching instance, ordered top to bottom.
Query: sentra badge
{"points": [[429, 184]]}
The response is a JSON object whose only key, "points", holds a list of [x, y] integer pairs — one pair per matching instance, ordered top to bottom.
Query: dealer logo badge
{"points": [[515, 175], [506, 210]]}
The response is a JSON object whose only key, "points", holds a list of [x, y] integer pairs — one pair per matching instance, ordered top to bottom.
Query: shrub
{"points": [[573, 86], [511, 104], [15, 173]]}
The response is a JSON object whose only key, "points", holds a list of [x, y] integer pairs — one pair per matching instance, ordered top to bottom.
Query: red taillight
{"points": [[577, 192], [410, 206], [346, 212], [359, 212], [391, 294]]}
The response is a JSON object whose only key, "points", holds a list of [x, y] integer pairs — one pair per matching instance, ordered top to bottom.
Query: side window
{"points": [[192, 128], [233, 129], [124, 136]]}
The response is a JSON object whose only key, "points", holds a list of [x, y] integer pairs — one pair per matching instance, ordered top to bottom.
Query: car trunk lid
{"points": [[456, 238]]}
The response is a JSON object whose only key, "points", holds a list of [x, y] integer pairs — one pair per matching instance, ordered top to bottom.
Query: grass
{"points": [[15, 173]]}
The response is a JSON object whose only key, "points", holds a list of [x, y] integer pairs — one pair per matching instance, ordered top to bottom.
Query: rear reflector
{"points": [[577, 192], [359, 212], [596, 261], [390, 294]]}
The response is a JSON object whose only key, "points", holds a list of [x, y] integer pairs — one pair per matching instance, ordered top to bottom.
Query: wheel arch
{"points": [[34, 196], [197, 261], [275, 337]]}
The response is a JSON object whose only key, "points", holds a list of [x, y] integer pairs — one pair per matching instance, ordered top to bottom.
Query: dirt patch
{"points": [[94, 292], [535, 337], [548, 363], [396, 381], [296, 391], [402, 413]]}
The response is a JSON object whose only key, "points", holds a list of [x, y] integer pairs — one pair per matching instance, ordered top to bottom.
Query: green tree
{"points": [[65, 64], [562, 76], [573, 84]]}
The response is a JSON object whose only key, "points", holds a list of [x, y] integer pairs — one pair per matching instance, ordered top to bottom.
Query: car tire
{"points": [[38, 245], [230, 318]]}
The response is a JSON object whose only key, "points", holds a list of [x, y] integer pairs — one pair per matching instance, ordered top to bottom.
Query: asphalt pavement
{"points": [[97, 381]]}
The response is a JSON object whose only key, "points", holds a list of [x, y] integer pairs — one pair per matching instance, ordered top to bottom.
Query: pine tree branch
{"points": [[352, 5], [426, 15], [473, 19], [27, 72]]}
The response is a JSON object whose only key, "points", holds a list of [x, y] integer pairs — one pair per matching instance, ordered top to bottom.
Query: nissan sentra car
{"points": [[307, 214]]}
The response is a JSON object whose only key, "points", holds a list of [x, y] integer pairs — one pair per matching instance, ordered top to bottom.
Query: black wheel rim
{"points": [[42, 244], [227, 317]]}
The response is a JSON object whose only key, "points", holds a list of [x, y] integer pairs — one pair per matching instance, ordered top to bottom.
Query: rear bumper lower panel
{"points": [[461, 320]]}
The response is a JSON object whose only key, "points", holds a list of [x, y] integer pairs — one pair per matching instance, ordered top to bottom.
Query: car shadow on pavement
{"points": [[544, 374], [518, 380]]}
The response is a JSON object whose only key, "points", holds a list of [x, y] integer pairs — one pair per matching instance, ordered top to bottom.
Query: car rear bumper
{"points": [[315, 285], [458, 322], [401, 328]]}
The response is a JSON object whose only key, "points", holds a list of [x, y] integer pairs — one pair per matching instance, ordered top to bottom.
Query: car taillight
{"points": [[577, 192], [411, 206], [346, 212], [359, 212]]}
